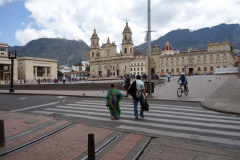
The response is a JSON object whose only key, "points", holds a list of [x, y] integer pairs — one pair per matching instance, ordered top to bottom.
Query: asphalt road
{"points": [[187, 121]]}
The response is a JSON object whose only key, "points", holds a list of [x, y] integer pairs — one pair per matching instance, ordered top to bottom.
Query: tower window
{"points": [[125, 37], [92, 43], [125, 50], [130, 50], [92, 54]]}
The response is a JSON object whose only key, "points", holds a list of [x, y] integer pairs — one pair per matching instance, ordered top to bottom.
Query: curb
{"points": [[44, 94], [218, 110]]}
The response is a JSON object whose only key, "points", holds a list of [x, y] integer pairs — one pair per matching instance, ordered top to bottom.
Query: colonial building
{"points": [[217, 55], [105, 61], [138, 63], [5, 65]]}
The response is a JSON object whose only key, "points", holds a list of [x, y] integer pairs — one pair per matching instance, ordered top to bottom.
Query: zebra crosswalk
{"points": [[188, 122]]}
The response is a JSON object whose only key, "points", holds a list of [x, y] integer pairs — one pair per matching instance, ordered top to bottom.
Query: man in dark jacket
{"points": [[127, 82]]}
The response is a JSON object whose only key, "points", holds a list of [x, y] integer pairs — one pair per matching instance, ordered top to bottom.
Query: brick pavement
{"points": [[16, 123], [34, 135], [68, 144], [121, 150]]}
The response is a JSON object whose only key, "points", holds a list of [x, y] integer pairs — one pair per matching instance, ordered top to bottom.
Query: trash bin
{"points": [[147, 86]]}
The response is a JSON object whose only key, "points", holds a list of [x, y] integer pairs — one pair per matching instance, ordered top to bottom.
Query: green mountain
{"points": [[182, 39], [66, 52]]}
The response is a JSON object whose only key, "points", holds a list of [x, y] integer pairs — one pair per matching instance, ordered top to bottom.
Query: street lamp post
{"points": [[12, 56]]}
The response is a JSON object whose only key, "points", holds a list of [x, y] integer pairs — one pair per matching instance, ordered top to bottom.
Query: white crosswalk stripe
{"points": [[165, 120]]}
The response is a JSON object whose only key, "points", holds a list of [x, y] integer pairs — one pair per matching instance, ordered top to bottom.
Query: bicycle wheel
{"points": [[186, 91], [179, 92]]}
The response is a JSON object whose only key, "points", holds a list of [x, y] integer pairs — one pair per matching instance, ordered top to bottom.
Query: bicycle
{"points": [[181, 89]]}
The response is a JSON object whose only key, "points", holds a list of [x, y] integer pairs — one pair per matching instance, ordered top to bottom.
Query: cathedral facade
{"points": [[105, 61]]}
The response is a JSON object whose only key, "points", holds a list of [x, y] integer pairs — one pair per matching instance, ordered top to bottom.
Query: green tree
{"points": [[78, 64], [87, 68], [59, 74]]}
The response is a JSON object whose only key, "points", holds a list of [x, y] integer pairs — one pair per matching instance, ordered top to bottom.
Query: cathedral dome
{"points": [[127, 29], [94, 35], [167, 47]]}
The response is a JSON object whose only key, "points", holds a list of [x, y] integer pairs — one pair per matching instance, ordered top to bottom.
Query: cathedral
{"points": [[105, 61]]}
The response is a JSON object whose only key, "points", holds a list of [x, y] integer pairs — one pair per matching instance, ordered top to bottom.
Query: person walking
{"points": [[168, 76], [64, 79], [127, 82], [137, 86], [113, 98]]}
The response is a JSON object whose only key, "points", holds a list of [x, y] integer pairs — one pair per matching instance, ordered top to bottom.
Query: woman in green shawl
{"points": [[113, 98]]}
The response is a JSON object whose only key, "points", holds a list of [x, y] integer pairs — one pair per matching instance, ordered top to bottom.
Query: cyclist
{"points": [[183, 80]]}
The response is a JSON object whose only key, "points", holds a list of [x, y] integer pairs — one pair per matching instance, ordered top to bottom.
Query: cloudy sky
{"points": [[25, 20]]}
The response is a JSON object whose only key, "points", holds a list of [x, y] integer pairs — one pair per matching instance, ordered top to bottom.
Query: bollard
{"points": [[2, 133], [91, 146]]}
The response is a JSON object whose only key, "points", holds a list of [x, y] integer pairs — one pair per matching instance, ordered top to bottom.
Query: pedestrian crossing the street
{"points": [[187, 122]]}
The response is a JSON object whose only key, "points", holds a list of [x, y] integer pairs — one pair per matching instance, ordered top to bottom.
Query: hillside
{"points": [[181, 39], [67, 52]]}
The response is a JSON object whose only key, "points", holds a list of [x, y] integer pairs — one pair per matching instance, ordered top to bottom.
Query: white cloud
{"points": [[2, 2], [75, 19]]}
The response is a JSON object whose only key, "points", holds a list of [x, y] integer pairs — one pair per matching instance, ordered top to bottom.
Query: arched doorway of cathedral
{"points": [[152, 71]]}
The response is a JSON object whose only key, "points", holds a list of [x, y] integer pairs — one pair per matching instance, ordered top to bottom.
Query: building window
{"points": [[125, 37], [224, 47], [210, 48], [217, 48], [125, 50], [130, 50], [92, 54], [217, 54], [224, 54], [210, 55], [198, 56], [205, 56], [182, 57], [171, 58], [177, 58], [162, 59], [167, 59], [224, 60], [205, 61], [211, 61], [218, 61], [198, 62], [138, 63], [142, 63], [177, 63], [183, 63], [190, 63], [134, 64], [166, 64], [172, 64], [162, 65], [218, 66], [224, 66], [138, 68], [141, 68], [199, 68], [205, 68], [211, 68], [134, 69], [177, 69], [166, 70], [172, 70], [183, 70], [162, 71], [141, 73]]}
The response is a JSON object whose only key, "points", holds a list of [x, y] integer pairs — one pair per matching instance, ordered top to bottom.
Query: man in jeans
{"points": [[127, 82], [138, 84]]}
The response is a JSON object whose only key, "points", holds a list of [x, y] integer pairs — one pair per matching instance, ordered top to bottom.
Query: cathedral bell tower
{"points": [[127, 44], [94, 47]]}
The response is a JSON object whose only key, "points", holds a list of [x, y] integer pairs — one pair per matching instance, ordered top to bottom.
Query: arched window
{"points": [[125, 37], [92, 42], [97, 43], [125, 50], [130, 50], [92, 54], [97, 54]]}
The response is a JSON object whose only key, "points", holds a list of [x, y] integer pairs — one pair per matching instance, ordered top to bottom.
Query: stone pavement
{"points": [[226, 98], [72, 142]]}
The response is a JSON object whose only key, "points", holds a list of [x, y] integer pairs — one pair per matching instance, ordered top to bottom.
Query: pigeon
{"points": [[216, 78], [219, 78], [209, 80], [103, 92], [83, 94]]}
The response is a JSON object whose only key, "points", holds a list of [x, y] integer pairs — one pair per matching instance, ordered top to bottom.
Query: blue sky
{"points": [[26, 20]]}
